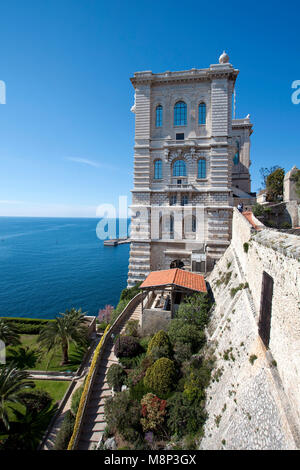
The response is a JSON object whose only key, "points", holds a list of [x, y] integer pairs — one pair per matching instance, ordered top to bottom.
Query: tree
{"points": [[265, 172], [274, 184], [195, 309], [105, 313], [69, 327], [180, 331], [8, 334], [160, 377], [12, 382]]}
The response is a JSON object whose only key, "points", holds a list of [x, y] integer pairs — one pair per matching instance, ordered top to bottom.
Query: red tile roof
{"points": [[248, 215], [177, 277]]}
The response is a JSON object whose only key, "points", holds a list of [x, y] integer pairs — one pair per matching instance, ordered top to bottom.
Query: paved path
{"points": [[94, 420], [49, 442]]}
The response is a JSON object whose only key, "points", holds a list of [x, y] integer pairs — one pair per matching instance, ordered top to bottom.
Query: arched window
{"points": [[202, 113], [180, 114], [158, 115], [236, 158], [179, 168], [202, 168], [158, 170], [194, 224]]}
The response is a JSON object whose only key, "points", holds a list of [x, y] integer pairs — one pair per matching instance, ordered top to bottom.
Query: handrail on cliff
{"points": [[93, 368]]}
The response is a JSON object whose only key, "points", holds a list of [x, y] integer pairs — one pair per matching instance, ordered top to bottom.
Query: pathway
{"points": [[94, 420]]}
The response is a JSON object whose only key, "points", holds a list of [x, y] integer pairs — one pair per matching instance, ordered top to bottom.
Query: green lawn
{"points": [[29, 355]]}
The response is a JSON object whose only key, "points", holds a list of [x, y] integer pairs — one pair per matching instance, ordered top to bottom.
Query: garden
{"points": [[160, 381], [27, 405]]}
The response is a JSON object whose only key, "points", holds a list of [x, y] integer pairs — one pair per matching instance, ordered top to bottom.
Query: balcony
{"points": [[180, 184]]}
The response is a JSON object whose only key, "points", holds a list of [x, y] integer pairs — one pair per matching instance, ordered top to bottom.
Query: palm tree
{"points": [[69, 327], [8, 334], [12, 381]]}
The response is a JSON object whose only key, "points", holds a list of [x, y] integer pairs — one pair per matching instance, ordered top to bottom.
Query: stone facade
{"points": [[186, 218], [253, 400]]}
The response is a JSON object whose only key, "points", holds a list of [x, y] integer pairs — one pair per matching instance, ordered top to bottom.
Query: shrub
{"points": [[246, 247], [129, 293], [119, 309], [195, 309], [30, 326], [101, 326], [132, 328], [180, 331], [144, 342], [160, 345], [126, 346], [182, 352], [252, 358], [132, 362], [116, 377], [160, 377], [197, 379], [138, 390], [76, 399], [36, 400], [153, 412], [123, 415], [185, 417], [64, 434]]}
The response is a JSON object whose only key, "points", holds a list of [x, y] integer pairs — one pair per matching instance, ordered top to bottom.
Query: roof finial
{"points": [[224, 58]]}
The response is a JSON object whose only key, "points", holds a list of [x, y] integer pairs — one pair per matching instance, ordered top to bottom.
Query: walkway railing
{"points": [[94, 367]]}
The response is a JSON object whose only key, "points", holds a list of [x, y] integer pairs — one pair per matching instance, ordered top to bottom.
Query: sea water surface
{"points": [[48, 265]]}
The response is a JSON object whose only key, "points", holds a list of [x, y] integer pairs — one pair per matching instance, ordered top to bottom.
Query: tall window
{"points": [[202, 113], [180, 114], [159, 116], [236, 158], [179, 168], [202, 168], [158, 170], [184, 199], [173, 200], [194, 223], [171, 226]]}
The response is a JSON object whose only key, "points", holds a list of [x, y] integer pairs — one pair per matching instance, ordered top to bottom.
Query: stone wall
{"points": [[154, 320], [253, 400]]}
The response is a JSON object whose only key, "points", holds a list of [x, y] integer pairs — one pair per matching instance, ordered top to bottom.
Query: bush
{"points": [[246, 247], [129, 293], [195, 309], [29, 326], [102, 326], [132, 328], [182, 332], [144, 342], [160, 345], [126, 346], [182, 352], [116, 377], [160, 377], [198, 378], [138, 391], [76, 396], [36, 400], [153, 412], [123, 415], [185, 417], [64, 434]]}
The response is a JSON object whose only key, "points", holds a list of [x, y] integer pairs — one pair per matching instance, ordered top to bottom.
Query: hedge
{"points": [[30, 326]]}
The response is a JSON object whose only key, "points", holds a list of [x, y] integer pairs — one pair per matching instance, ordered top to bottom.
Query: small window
{"points": [[202, 113], [180, 114], [159, 116], [179, 136], [236, 158], [179, 168], [201, 168], [158, 169], [184, 199], [173, 200]]}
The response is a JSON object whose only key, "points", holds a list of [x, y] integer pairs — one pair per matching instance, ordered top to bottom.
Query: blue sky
{"points": [[66, 130]]}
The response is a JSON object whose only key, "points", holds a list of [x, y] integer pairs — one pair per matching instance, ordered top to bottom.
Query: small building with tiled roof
{"points": [[163, 292]]}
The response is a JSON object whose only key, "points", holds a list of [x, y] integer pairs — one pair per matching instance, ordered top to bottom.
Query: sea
{"points": [[48, 265]]}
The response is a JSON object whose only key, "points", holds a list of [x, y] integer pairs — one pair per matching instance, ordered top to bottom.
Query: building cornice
{"points": [[215, 71]]}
